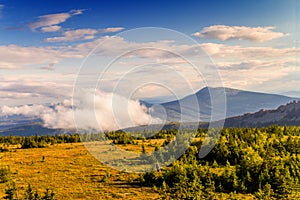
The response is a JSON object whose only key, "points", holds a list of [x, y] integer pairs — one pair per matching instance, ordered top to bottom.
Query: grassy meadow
{"points": [[245, 164], [71, 172]]}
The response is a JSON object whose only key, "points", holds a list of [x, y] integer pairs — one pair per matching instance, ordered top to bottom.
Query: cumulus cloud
{"points": [[53, 19], [53, 28], [223, 32], [79, 34], [82, 34], [116, 45], [168, 50], [236, 52], [17, 57], [246, 61], [251, 65], [258, 76], [23, 89], [100, 111]]}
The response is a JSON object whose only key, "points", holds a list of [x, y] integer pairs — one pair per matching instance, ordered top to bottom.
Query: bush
{"points": [[11, 193]]}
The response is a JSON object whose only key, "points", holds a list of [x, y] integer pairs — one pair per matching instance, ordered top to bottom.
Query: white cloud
{"points": [[77, 12], [53, 19], [53, 28], [111, 30], [223, 32], [79, 34], [82, 34], [116, 45], [168, 50], [236, 52], [17, 57], [250, 66], [257, 76], [35, 88], [46, 89], [17, 95], [105, 116]]}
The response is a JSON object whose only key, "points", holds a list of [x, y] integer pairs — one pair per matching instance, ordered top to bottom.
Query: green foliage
{"points": [[121, 138], [38, 141], [260, 161], [106, 176], [266, 193], [30, 194], [34, 195]]}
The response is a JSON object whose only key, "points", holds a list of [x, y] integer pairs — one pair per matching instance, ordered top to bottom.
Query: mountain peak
{"points": [[238, 102]]}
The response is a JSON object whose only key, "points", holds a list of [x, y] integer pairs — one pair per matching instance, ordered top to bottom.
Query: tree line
{"points": [[26, 142], [264, 162]]}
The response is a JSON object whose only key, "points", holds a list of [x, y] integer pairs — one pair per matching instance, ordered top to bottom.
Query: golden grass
{"points": [[71, 172]]}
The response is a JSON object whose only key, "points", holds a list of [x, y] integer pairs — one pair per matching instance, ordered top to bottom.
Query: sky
{"points": [[53, 50]]}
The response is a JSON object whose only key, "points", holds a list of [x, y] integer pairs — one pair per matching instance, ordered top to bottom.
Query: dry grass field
{"points": [[72, 173]]}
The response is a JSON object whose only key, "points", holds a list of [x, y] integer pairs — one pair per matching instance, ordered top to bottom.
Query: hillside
{"points": [[288, 114]]}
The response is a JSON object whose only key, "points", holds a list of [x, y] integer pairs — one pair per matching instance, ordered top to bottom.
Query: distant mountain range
{"points": [[238, 102], [244, 109]]}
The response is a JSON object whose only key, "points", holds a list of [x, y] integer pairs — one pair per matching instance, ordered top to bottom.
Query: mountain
{"points": [[238, 102], [288, 114], [13, 121], [30, 129]]}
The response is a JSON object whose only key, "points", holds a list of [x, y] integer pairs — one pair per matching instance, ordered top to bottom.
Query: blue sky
{"points": [[186, 17], [253, 44]]}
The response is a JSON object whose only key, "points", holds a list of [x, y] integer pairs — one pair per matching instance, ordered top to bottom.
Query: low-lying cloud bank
{"points": [[98, 111]]}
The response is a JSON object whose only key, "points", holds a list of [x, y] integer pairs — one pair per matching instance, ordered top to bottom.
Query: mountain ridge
{"points": [[238, 102], [288, 114]]}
